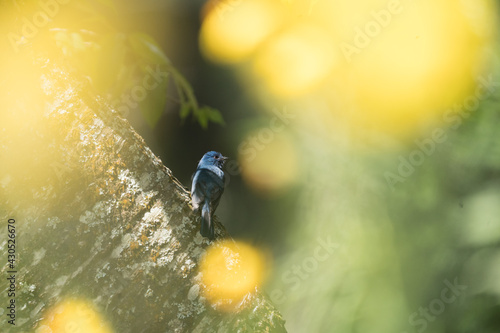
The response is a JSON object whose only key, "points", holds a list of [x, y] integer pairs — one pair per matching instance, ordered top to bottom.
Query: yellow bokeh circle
{"points": [[232, 30], [425, 58], [296, 61], [390, 66], [268, 160], [230, 271], [73, 315]]}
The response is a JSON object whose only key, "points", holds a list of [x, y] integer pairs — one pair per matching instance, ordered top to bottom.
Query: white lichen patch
{"points": [[46, 84], [95, 130], [90, 135], [118, 137], [145, 180], [131, 184], [48, 190], [144, 199], [102, 209], [97, 215], [155, 215], [88, 217], [53, 221], [187, 225], [116, 232], [161, 236], [198, 239], [98, 243], [124, 243], [197, 252], [37, 256], [166, 256], [187, 267], [80, 269], [130, 271], [100, 272], [197, 278], [61, 281], [193, 292], [97, 300], [195, 307], [183, 311], [34, 313], [21, 321], [205, 322], [174, 323], [43, 329]]}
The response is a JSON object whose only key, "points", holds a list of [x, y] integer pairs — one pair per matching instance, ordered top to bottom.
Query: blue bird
{"points": [[207, 188]]}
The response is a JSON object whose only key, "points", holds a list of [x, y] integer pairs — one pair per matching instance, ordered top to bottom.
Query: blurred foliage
{"points": [[129, 69], [368, 84]]}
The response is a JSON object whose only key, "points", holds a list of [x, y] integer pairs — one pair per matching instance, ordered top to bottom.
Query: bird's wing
{"points": [[207, 184], [197, 191]]}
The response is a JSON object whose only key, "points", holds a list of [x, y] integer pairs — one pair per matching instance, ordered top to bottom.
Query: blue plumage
{"points": [[207, 188]]}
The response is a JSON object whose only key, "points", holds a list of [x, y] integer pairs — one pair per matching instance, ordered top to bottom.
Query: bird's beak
{"points": [[224, 158]]}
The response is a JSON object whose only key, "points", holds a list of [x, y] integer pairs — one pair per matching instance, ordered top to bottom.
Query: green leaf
{"points": [[147, 49], [185, 111], [206, 114], [214, 115], [202, 119]]}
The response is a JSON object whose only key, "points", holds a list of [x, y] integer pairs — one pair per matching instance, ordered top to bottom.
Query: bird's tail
{"points": [[207, 228]]}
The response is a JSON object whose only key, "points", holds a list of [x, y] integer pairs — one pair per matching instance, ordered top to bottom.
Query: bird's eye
{"points": [[216, 157]]}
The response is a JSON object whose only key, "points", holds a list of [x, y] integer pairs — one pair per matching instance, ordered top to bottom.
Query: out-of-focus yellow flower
{"points": [[232, 30], [296, 61], [408, 62], [392, 66], [268, 161], [230, 271], [73, 315]]}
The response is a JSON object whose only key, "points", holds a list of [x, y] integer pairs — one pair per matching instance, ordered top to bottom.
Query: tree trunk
{"points": [[98, 217]]}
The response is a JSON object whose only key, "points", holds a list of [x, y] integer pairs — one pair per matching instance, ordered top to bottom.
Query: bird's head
{"points": [[213, 158]]}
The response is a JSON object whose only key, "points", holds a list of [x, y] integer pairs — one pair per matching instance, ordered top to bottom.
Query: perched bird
{"points": [[207, 188]]}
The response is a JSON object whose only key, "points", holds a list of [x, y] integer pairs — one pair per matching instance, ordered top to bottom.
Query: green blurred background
{"points": [[365, 145]]}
